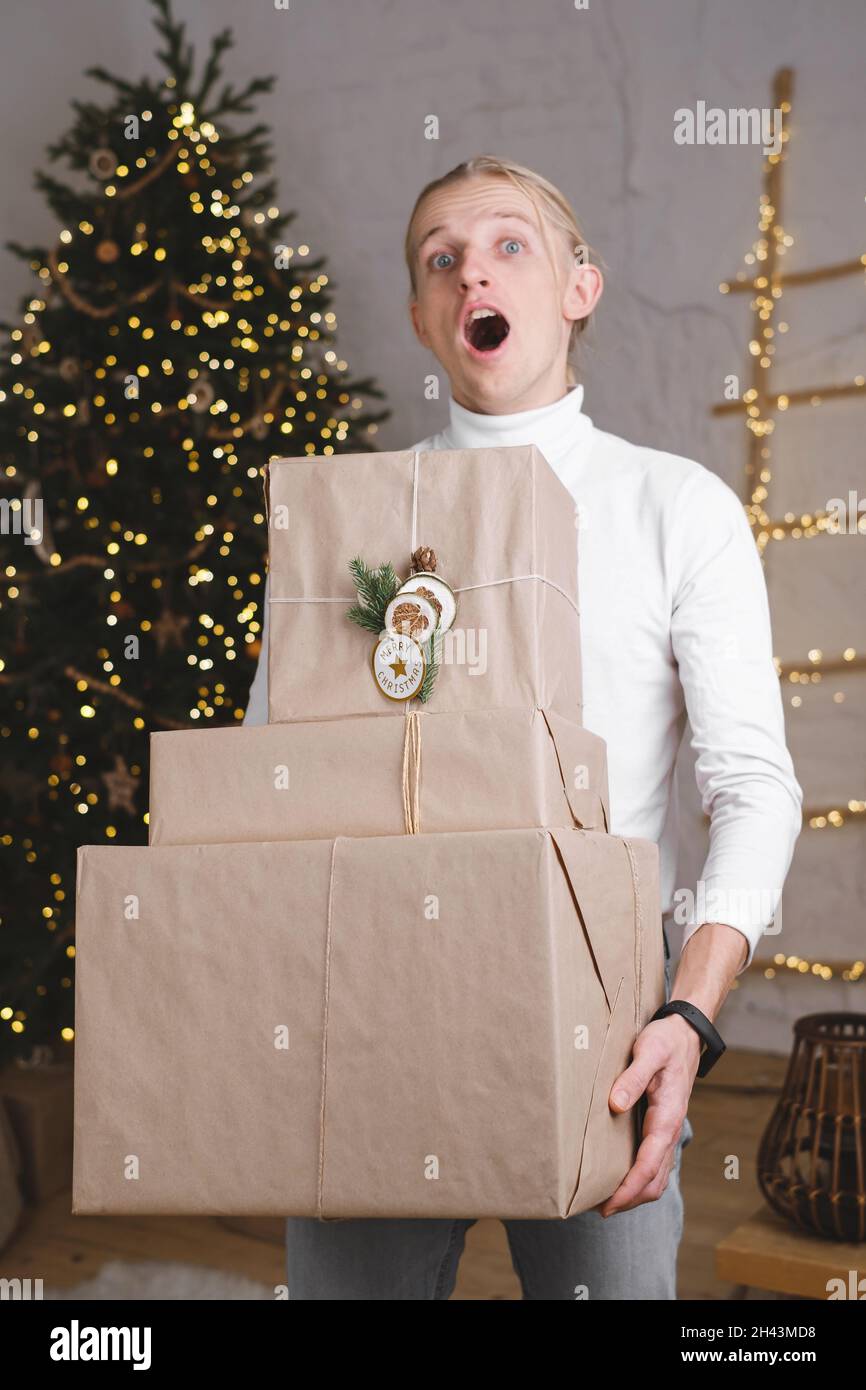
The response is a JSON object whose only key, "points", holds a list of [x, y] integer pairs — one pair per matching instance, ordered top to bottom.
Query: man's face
{"points": [[489, 304]]}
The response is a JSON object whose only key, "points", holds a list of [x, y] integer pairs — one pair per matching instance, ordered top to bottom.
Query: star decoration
{"points": [[169, 628], [398, 667], [121, 786]]}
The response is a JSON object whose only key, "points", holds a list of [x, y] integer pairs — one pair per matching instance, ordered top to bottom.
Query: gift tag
{"points": [[398, 666]]}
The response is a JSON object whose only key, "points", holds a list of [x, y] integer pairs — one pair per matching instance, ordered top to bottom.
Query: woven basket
{"points": [[812, 1157]]}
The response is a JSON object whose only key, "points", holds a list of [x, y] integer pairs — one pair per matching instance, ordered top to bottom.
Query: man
{"points": [[674, 623]]}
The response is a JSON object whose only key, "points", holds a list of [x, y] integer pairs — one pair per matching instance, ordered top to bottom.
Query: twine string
{"points": [[468, 588], [412, 773], [638, 939], [324, 1069]]}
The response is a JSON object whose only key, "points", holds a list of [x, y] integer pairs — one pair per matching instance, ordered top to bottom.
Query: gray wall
{"points": [[588, 98]]}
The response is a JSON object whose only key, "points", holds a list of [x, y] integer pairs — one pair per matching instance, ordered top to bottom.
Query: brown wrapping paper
{"points": [[496, 518], [483, 770], [361, 1027]]}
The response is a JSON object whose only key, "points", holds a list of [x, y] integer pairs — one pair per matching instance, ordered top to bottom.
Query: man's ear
{"points": [[583, 290], [418, 323]]}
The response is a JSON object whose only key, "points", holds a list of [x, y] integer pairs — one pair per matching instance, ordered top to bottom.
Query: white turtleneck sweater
{"points": [[674, 625]]}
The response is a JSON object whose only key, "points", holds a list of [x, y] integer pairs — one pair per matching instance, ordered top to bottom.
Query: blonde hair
{"points": [[550, 203]]}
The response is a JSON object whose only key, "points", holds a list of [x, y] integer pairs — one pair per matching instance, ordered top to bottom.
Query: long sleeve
{"points": [[721, 637], [257, 705]]}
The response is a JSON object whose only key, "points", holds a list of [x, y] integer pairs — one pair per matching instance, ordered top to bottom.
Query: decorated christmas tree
{"points": [[174, 341]]}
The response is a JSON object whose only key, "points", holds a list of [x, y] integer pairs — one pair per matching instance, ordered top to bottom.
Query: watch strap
{"points": [[714, 1044]]}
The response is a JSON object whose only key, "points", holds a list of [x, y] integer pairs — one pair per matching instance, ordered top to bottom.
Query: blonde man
{"points": [[674, 624]]}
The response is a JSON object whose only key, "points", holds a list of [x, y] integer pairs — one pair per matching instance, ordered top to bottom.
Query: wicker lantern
{"points": [[812, 1157]]}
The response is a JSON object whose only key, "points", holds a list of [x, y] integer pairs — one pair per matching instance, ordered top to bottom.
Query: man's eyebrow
{"points": [[506, 213]]}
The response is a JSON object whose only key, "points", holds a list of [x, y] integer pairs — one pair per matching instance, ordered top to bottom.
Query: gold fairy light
{"points": [[759, 404], [851, 972]]}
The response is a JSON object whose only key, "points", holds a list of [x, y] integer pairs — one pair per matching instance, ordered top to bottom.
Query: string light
{"points": [[232, 405], [758, 407], [850, 972]]}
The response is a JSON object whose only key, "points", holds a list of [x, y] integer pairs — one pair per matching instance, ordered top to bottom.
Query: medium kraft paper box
{"points": [[503, 529], [479, 770], [417, 1026]]}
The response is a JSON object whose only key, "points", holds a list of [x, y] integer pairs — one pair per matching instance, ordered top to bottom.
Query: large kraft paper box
{"points": [[503, 528], [482, 770], [418, 1026]]}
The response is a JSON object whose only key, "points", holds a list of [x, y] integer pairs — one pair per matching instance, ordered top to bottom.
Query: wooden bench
{"points": [[766, 1252]]}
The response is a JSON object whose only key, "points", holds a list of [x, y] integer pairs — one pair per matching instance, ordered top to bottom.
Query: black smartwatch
{"points": [[713, 1045]]}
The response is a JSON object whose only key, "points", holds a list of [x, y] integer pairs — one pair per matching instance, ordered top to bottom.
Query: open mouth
{"points": [[485, 329]]}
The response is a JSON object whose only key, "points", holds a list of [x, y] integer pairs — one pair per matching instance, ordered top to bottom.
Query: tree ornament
{"points": [[103, 163], [68, 368], [202, 393], [41, 540], [169, 629], [121, 786]]}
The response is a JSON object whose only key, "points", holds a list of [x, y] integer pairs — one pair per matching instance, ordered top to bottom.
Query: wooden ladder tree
{"points": [[759, 405]]}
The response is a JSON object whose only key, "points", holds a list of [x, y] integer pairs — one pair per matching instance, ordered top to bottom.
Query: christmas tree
{"points": [[173, 343]]}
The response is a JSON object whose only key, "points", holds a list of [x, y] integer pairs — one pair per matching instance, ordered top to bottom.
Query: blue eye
{"points": [[512, 241], [437, 258]]}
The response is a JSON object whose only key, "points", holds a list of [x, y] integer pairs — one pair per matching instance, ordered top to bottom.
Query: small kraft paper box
{"points": [[503, 531], [389, 775], [417, 1026]]}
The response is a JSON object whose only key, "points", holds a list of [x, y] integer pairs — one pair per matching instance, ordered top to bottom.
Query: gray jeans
{"points": [[631, 1255]]}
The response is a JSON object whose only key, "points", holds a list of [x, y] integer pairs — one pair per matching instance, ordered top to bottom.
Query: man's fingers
{"points": [[654, 1050], [630, 1085], [647, 1178], [651, 1193]]}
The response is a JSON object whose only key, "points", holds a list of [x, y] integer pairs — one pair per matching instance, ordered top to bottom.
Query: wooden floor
{"points": [[728, 1115]]}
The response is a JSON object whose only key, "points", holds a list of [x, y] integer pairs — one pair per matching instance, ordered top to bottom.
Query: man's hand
{"points": [[666, 1056], [665, 1063]]}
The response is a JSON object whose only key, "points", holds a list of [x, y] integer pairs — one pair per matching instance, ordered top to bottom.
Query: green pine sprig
{"points": [[376, 588], [433, 656]]}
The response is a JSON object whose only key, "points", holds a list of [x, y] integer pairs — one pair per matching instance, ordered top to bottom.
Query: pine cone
{"points": [[424, 558]]}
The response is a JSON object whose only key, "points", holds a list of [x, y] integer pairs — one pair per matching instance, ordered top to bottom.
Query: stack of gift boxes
{"points": [[381, 956]]}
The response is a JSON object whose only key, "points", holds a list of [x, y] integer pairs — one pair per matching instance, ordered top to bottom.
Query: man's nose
{"points": [[473, 271], [470, 282]]}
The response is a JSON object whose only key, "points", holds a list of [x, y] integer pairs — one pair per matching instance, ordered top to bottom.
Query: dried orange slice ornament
{"points": [[429, 586], [411, 614]]}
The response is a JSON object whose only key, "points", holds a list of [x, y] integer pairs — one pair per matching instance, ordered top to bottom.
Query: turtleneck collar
{"points": [[561, 430]]}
